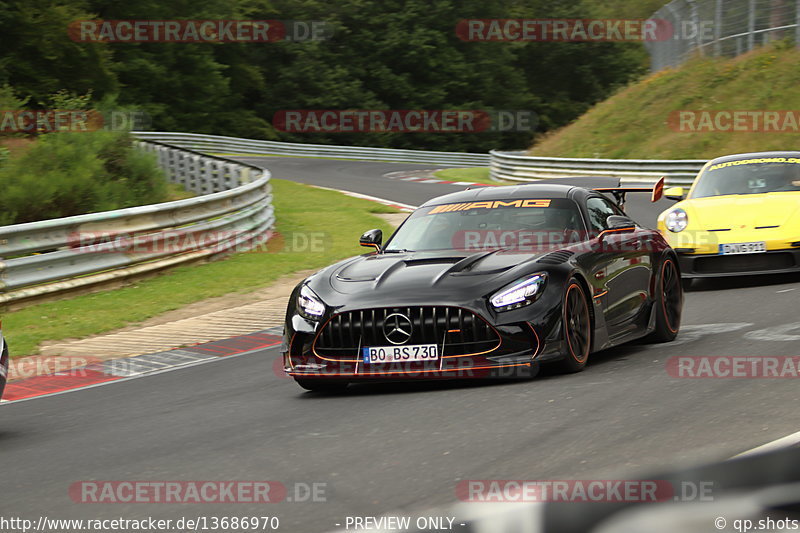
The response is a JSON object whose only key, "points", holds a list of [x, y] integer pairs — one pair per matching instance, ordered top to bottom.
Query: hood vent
{"points": [[555, 258], [432, 261]]}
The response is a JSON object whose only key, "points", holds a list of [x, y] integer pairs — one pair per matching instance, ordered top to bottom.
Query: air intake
{"points": [[555, 258]]}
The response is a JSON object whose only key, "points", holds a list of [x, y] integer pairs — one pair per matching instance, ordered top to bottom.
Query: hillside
{"points": [[643, 121]]}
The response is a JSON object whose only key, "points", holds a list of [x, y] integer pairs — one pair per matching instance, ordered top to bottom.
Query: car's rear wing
{"points": [[656, 191]]}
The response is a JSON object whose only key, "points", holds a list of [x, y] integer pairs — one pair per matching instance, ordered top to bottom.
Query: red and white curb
{"points": [[426, 176], [446, 182], [122, 369]]}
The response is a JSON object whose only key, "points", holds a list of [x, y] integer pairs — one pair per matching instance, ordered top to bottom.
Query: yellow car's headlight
{"points": [[676, 220]]}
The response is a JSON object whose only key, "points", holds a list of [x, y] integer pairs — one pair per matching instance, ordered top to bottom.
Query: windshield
{"points": [[749, 176], [488, 225]]}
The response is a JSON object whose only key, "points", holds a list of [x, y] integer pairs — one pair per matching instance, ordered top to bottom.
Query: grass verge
{"points": [[641, 121], [472, 174], [335, 220]]}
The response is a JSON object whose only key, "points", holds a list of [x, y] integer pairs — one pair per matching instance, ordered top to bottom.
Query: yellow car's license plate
{"points": [[743, 248]]}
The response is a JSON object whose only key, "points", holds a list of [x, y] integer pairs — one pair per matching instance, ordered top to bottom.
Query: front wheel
{"points": [[669, 304], [577, 328], [322, 385]]}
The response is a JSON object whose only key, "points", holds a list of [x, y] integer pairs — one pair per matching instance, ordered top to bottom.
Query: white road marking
{"points": [[367, 197], [696, 332], [776, 333], [783, 442]]}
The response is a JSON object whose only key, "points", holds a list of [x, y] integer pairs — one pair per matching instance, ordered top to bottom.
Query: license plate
{"points": [[743, 248], [399, 354]]}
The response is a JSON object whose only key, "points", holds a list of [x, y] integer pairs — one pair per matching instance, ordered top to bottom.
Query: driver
{"points": [[792, 177], [564, 225]]}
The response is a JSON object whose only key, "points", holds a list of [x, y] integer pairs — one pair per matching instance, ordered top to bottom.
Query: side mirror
{"points": [[658, 189], [675, 193], [620, 224], [372, 238]]}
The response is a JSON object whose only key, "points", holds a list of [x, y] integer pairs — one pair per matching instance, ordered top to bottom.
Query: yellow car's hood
{"points": [[743, 211], [773, 218]]}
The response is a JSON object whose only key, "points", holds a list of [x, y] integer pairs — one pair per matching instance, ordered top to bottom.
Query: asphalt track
{"points": [[389, 447]]}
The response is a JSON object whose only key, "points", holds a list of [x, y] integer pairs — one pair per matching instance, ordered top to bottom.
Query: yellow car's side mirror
{"points": [[675, 193]]}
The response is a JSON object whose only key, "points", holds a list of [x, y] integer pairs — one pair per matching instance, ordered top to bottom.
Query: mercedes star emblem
{"points": [[397, 328]]}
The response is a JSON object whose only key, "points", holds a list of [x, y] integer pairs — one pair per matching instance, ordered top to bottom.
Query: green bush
{"points": [[67, 174]]}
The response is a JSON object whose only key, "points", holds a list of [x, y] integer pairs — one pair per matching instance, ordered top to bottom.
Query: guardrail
{"points": [[234, 145], [512, 166], [517, 166], [233, 212]]}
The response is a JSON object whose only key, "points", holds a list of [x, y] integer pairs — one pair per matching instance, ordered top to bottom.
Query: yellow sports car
{"points": [[741, 216]]}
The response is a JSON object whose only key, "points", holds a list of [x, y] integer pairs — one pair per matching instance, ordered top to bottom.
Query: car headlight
{"points": [[676, 220], [519, 294], [309, 304]]}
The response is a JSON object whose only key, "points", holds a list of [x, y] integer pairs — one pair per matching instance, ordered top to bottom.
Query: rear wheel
{"points": [[669, 303], [577, 327], [5, 364], [322, 385]]}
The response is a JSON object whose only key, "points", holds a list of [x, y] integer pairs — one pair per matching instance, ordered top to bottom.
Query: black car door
{"points": [[621, 272]]}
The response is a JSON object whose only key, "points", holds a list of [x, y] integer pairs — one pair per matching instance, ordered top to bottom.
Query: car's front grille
{"points": [[723, 264], [456, 331]]}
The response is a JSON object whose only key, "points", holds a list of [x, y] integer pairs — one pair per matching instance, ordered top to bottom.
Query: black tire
{"points": [[669, 303], [577, 328], [4, 360], [322, 385]]}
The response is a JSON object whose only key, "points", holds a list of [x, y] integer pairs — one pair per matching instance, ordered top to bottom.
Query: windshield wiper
{"points": [[397, 251]]}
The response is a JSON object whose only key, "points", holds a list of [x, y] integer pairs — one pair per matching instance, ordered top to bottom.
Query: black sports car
{"points": [[483, 282]]}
